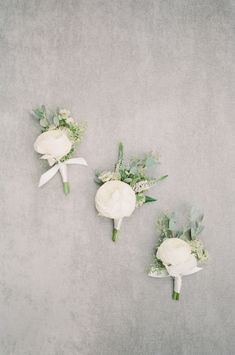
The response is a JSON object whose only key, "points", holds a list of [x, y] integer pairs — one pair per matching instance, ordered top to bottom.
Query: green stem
{"points": [[120, 152], [66, 187], [115, 235], [175, 296]]}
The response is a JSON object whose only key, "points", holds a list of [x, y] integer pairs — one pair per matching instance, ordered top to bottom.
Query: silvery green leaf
{"points": [[37, 114], [56, 120], [43, 122], [120, 152], [150, 161], [133, 170], [128, 180], [196, 215], [163, 222], [172, 222], [200, 229], [196, 230], [186, 235]]}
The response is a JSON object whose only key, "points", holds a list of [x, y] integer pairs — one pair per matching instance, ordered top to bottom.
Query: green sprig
{"points": [[57, 120], [134, 173], [167, 226]]}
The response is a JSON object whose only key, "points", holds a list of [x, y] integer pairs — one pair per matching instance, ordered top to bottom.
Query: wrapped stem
{"points": [[64, 175], [66, 187], [116, 227], [177, 288]]}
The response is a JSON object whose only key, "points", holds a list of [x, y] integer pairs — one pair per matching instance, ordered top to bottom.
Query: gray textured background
{"points": [[158, 75]]}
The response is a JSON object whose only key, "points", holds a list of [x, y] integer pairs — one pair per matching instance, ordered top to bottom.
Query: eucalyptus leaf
{"points": [[37, 113], [56, 120], [43, 122], [120, 152], [150, 161], [133, 170], [128, 180], [196, 215], [172, 224]]}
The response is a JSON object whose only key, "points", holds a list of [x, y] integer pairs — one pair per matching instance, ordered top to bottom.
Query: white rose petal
{"points": [[54, 143], [49, 158], [115, 199], [173, 251], [177, 257], [184, 268]]}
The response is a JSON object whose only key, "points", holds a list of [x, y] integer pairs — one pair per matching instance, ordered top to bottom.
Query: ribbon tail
{"points": [[79, 161], [48, 175], [193, 271], [159, 273]]}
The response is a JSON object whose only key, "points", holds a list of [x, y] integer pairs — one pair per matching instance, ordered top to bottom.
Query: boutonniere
{"points": [[57, 143], [123, 189], [178, 252]]}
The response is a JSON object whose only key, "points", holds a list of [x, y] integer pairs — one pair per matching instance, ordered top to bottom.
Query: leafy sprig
{"points": [[61, 119], [134, 173], [167, 226]]}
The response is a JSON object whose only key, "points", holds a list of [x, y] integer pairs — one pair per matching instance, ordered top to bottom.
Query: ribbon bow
{"points": [[62, 168]]}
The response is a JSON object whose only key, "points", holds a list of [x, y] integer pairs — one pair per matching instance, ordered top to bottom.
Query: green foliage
{"points": [[40, 112], [61, 120], [135, 173], [140, 199], [149, 199], [167, 226], [198, 250], [156, 265]]}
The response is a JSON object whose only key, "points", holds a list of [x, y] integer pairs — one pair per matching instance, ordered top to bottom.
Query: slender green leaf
{"points": [[120, 152], [162, 178], [150, 199]]}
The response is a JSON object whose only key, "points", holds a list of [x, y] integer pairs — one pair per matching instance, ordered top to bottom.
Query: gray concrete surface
{"points": [[157, 75]]}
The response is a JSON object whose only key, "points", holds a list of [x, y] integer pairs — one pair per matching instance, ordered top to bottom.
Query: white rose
{"points": [[54, 144], [115, 199], [173, 251], [177, 257], [185, 268]]}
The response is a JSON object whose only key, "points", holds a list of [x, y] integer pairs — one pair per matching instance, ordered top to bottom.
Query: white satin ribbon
{"points": [[62, 167], [117, 223], [177, 279], [177, 284]]}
